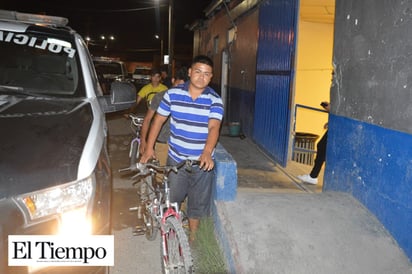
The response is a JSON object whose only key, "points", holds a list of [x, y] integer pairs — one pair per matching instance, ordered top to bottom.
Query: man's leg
{"points": [[161, 152], [320, 156], [178, 184], [199, 197], [193, 227]]}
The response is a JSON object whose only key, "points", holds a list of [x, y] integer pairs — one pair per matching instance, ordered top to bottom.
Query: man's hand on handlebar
{"points": [[147, 155]]}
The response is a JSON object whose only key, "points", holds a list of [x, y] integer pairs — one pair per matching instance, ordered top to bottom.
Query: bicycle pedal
{"points": [[138, 209], [139, 230], [138, 233]]}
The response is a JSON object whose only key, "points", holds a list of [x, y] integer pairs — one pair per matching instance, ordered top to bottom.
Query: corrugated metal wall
{"points": [[274, 76]]}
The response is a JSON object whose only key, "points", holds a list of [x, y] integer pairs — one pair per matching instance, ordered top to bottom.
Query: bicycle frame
{"points": [[136, 124], [166, 208], [161, 214]]}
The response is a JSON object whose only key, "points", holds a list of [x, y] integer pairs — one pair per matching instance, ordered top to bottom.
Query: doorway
{"points": [[313, 76], [224, 80]]}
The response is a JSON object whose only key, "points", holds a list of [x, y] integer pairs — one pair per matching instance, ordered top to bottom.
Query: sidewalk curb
{"points": [[226, 237]]}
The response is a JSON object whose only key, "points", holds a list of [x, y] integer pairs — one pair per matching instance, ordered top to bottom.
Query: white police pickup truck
{"points": [[55, 175]]}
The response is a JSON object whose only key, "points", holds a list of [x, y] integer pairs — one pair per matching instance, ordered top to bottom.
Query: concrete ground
{"points": [[279, 225], [133, 254]]}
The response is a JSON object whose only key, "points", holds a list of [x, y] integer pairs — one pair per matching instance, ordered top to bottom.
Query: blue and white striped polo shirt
{"points": [[189, 120]]}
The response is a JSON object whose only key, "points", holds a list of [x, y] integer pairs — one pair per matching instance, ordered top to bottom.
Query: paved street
{"points": [[133, 254]]}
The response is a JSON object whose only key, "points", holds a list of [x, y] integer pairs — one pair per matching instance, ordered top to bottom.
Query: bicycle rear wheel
{"points": [[151, 225], [176, 255]]}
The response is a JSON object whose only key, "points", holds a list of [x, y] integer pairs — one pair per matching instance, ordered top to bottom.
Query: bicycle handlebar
{"points": [[136, 120], [167, 169], [144, 170]]}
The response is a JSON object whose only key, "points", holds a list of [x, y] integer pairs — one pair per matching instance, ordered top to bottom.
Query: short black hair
{"points": [[202, 59], [155, 71], [181, 74]]}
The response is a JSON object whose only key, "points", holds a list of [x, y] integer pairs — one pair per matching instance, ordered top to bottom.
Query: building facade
{"points": [[253, 44]]}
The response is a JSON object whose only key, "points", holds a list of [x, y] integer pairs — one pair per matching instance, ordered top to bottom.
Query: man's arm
{"points": [[141, 94], [138, 99], [133, 109], [148, 119], [155, 127], [145, 129], [206, 161]]}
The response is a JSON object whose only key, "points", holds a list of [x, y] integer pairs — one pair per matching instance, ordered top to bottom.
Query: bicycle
{"points": [[136, 123], [159, 213]]}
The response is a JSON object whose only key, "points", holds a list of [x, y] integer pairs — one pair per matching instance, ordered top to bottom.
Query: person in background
{"points": [[166, 80], [148, 91], [194, 137], [161, 144], [312, 177]]}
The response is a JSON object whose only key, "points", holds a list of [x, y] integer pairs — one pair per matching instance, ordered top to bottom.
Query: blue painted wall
{"points": [[369, 152], [374, 164], [225, 184]]}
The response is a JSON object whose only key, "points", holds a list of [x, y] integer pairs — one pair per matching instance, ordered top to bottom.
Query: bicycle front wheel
{"points": [[176, 255]]}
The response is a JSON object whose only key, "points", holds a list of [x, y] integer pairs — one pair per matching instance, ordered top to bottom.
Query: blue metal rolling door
{"points": [[274, 76]]}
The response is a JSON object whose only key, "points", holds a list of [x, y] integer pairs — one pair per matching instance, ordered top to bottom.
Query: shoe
{"points": [[307, 179]]}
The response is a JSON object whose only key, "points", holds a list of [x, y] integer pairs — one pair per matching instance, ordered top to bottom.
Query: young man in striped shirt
{"points": [[196, 113]]}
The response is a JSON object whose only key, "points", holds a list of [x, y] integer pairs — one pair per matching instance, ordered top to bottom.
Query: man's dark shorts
{"points": [[197, 185]]}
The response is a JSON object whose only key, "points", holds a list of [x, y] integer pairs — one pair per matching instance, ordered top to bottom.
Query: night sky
{"points": [[133, 23]]}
